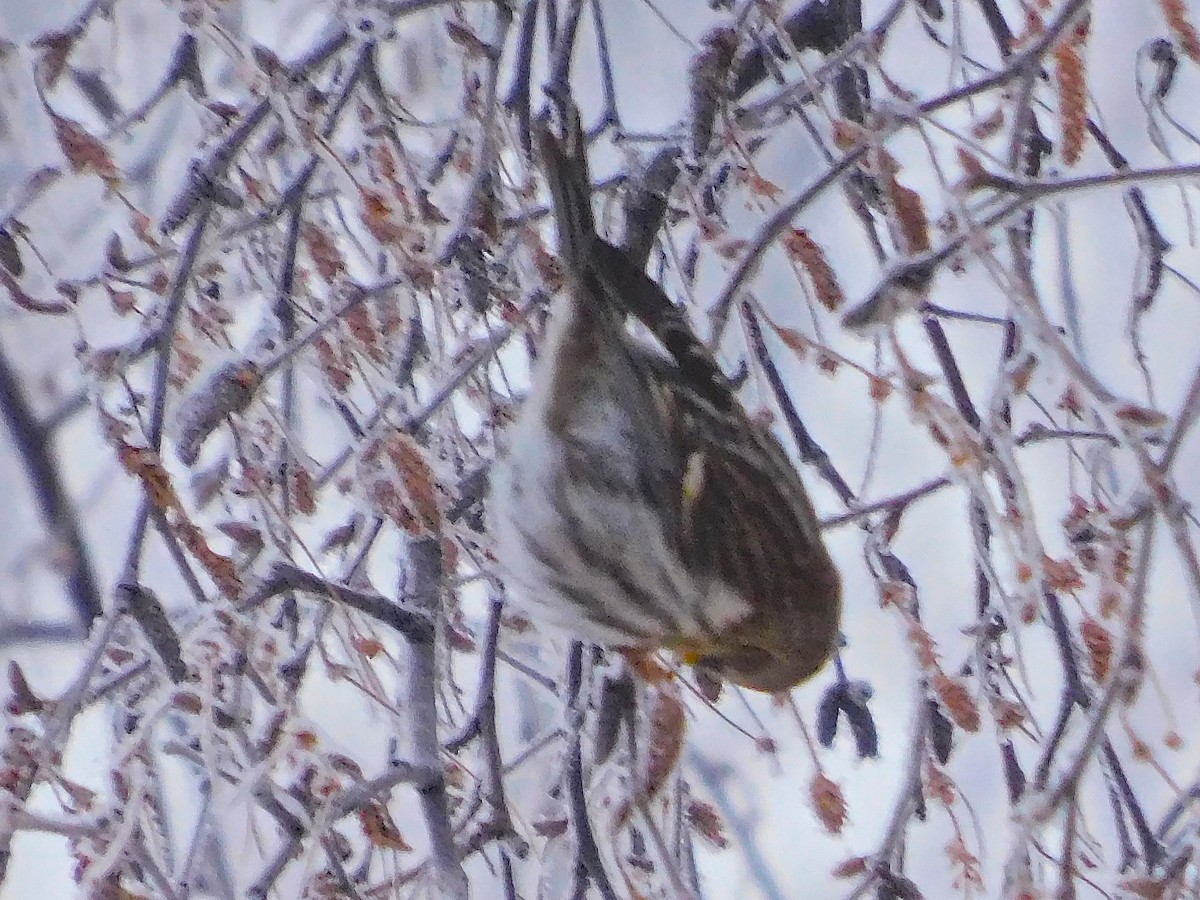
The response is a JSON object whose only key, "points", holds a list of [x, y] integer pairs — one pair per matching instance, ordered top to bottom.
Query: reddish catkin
{"points": [[1035, 25], [1185, 34], [1072, 94], [989, 126], [847, 134], [85, 152], [910, 214], [377, 216], [800, 246], [326, 258], [357, 320], [792, 338], [332, 366], [144, 464], [418, 482], [303, 489], [219, 567], [1061, 575], [1098, 643], [923, 645], [958, 702], [1008, 715], [668, 730], [667, 736], [938, 785], [829, 803], [705, 821], [380, 829], [966, 863], [852, 867], [1146, 888]]}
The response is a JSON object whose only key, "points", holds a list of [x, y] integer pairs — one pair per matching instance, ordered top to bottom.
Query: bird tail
{"points": [[566, 167]]}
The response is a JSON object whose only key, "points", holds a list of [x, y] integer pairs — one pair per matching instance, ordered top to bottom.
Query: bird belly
{"points": [[593, 555]]}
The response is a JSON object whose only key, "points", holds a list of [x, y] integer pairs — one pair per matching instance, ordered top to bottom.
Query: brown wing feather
{"points": [[753, 527]]}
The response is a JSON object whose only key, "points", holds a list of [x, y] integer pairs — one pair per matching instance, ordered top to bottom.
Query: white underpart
{"points": [[631, 533]]}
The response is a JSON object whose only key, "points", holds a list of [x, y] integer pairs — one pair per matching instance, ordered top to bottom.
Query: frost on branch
{"points": [[257, 641]]}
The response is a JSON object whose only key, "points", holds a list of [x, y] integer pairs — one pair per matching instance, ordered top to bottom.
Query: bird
{"points": [[637, 505]]}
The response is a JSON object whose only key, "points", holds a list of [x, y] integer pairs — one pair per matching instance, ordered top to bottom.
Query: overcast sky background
{"points": [[780, 850]]}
